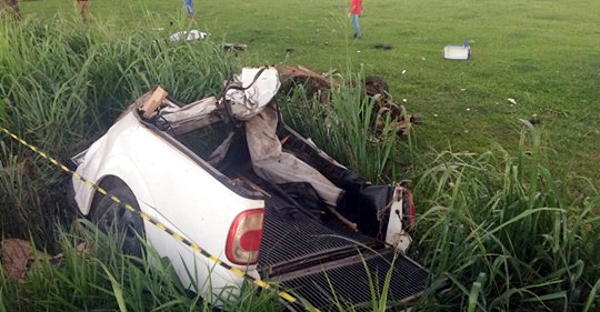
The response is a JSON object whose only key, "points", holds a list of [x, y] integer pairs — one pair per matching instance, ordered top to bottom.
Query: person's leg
{"points": [[84, 7], [190, 11], [357, 32]]}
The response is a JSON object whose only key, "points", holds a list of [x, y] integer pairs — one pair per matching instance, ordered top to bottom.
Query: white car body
{"points": [[133, 153], [177, 188]]}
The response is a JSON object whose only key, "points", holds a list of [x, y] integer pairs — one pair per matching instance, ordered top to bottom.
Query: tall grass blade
{"points": [[116, 288], [476, 292], [592, 297], [2, 306]]}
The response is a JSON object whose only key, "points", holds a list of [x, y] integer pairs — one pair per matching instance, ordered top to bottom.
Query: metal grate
{"points": [[289, 237], [349, 283]]}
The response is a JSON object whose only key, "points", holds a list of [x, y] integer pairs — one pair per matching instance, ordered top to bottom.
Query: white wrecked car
{"points": [[228, 176]]}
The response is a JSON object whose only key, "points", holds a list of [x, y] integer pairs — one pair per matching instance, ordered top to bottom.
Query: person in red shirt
{"points": [[355, 12]]}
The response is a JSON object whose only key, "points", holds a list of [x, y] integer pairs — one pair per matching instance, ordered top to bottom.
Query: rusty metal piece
{"points": [[349, 224]]}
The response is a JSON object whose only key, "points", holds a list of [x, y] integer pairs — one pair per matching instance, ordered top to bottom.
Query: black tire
{"points": [[115, 218]]}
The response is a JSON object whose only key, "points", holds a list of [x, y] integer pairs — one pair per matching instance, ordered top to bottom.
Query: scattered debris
{"points": [[192, 35], [196, 35], [383, 46], [238, 47], [456, 52], [313, 82], [375, 87], [154, 101], [512, 101], [557, 112], [534, 119], [18, 256]]}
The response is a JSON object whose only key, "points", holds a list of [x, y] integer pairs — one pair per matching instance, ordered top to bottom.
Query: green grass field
{"points": [[544, 54], [513, 228]]}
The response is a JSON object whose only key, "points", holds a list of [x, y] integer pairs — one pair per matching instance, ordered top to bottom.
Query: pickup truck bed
{"points": [[316, 258], [325, 261]]}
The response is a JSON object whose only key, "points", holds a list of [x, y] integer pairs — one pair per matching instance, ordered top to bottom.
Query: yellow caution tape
{"points": [[258, 282]]}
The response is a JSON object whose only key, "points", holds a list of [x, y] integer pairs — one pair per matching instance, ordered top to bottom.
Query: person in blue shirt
{"points": [[189, 5]]}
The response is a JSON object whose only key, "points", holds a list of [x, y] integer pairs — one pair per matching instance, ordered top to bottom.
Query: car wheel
{"points": [[114, 218]]}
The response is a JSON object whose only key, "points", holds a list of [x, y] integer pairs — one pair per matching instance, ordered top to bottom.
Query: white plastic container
{"points": [[456, 52]]}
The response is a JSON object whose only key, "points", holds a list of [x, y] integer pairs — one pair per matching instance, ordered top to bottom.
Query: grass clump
{"points": [[77, 77], [64, 83], [342, 125], [25, 212], [500, 231], [506, 234], [91, 274]]}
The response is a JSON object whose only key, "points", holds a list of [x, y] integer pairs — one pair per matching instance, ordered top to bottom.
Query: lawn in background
{"points": [[542, 54]]}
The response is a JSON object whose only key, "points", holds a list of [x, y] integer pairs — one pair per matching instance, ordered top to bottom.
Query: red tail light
{"points": [[245, 234]]}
